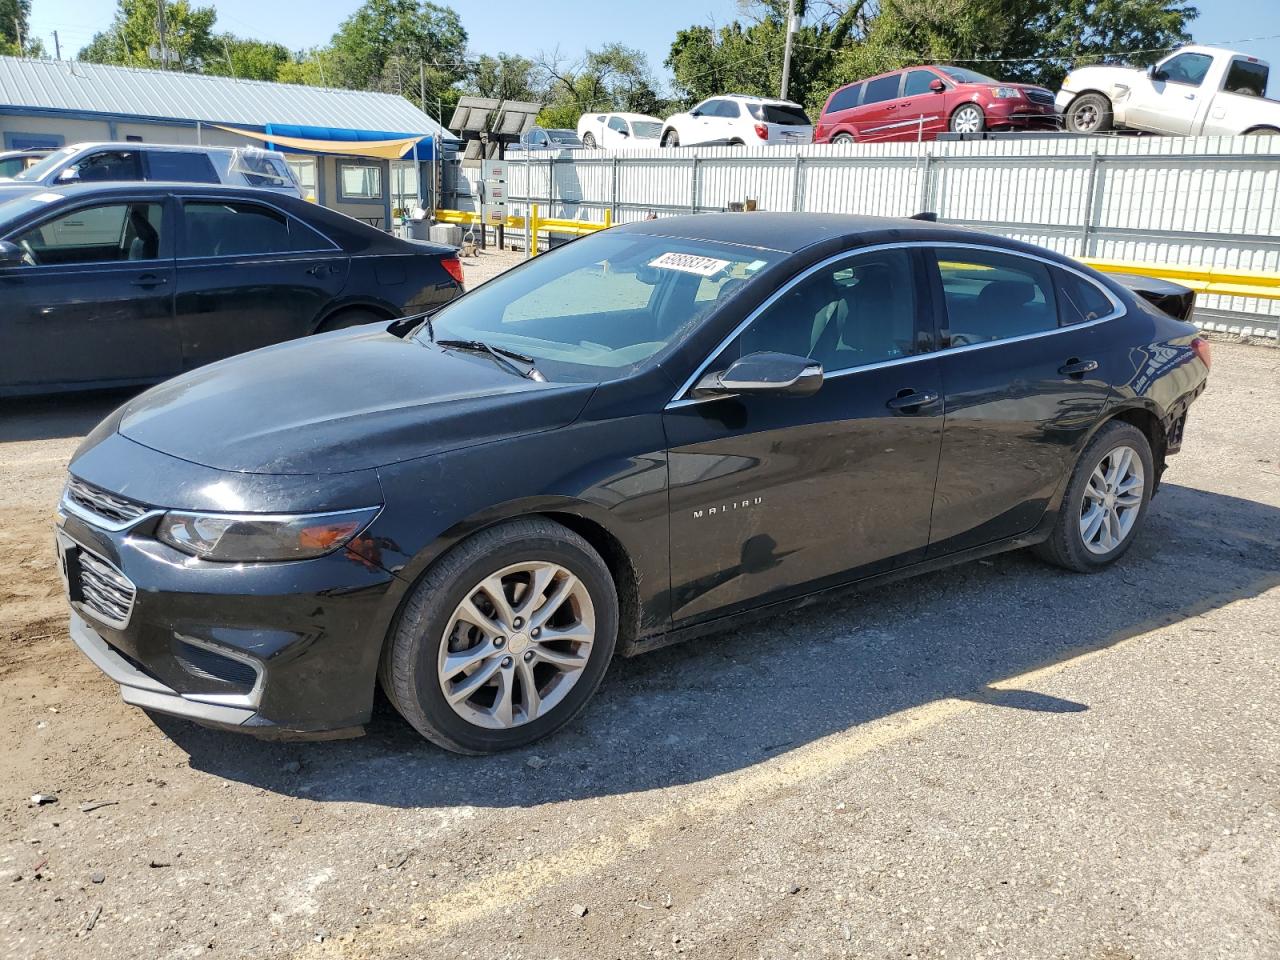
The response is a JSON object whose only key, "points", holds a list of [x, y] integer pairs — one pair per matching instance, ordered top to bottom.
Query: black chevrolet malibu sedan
{"points": [[114, 284], [644, 434]]}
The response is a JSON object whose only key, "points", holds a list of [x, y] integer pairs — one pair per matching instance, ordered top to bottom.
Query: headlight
{"points": [[1006, 93], [249, 537]]}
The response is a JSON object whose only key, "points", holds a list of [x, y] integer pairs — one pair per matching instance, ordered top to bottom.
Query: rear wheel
{"points": [[1089, 113], [968, 118], [1263, 132], [843, 138], [671, 139], [589, 141], [349, 318], [1105, 503], [504, 639]]}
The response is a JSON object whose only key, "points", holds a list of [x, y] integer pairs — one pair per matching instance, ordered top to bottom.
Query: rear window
{"points": [[1246, 78], [885, 88], [846, 98], [785, 116], [180, 166], [1079, 301]]}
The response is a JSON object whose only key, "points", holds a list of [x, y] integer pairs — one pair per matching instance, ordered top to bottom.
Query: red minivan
{"points": [[919, 103]]}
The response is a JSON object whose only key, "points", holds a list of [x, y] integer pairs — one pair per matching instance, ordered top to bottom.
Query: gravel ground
{"points": [[1001, 760]]}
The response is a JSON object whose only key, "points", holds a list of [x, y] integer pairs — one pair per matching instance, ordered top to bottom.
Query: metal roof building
{"points": [[49, 103]]}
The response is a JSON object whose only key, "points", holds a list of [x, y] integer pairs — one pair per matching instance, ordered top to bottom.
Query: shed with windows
{"points": [[364, 154]]}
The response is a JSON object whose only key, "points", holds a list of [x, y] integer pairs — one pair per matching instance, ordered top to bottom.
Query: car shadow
{"points": [[63, 415], [727, 701]]}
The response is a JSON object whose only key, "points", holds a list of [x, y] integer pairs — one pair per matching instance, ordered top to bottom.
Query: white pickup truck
{"points": [[1195, 91]]}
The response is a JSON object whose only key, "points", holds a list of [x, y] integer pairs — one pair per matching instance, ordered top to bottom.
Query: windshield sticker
{"points": [[46, 197], [689, 263], [753, 266]]}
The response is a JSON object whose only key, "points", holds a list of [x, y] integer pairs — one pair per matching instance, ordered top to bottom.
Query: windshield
{"points": [[961, 75], [646, 129], [37, 172], [600, 306]]}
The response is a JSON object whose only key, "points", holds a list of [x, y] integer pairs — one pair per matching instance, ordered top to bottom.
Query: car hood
{"points": [[340, 402]]}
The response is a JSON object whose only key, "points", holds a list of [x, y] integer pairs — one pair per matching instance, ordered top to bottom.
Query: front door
{"points": [[1169, 99], [921, 108], [249, 275], [92, 303], [1026, 367], [776, 496]]}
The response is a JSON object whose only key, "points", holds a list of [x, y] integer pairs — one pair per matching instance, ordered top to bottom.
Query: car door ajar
{"points": [[249, 275], [92, 300], [1026, 373], [774, 496]]}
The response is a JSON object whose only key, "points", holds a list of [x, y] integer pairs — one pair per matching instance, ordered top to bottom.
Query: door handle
{"points": [[1191, 96], [318, 270], [150, 280], [1078, 368], [908, 398]]}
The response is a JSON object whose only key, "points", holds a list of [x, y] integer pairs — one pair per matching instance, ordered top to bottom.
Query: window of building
{"points": [[359, 181]]}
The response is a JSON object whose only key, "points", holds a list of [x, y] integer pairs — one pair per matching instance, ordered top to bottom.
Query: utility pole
{"points": [[17, 27], [57, 47], [164, 49], [786, 56], [422, 86]]}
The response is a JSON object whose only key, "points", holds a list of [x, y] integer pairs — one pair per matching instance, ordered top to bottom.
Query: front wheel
{"points": [[1089, 113], [968, 119], [843, 138], [671, 139], [589, 141], [1105, 503], [504, 639]]}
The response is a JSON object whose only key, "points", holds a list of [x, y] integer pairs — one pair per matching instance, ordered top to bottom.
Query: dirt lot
{"points": [[1000, 760]]}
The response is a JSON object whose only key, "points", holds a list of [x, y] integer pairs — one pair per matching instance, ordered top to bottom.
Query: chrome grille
{"points": [[1039, 96], [113, 510], [105, 591]]}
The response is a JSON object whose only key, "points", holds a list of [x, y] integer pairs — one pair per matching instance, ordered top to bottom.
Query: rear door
{"points": [[876, 116], [837, 117], [248, 275], [94, 301], [1026, 365], [776, 496]]}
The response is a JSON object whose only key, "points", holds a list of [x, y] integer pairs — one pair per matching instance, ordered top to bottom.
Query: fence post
{"points": [[926, 183], [693, 186], [797, 186], [613, 190], [1092, 197]]}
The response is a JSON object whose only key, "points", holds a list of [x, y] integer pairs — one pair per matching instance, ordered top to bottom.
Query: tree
{"points": [[15, 16], [134, 35], [246, 59], [505, 77], [615, 77]]}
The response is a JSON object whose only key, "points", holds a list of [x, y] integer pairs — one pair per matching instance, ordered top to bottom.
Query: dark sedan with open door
{"points": [[129, 283], [639, 436]]}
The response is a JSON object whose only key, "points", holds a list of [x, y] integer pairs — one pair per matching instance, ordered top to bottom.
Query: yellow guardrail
{"points": [[537, 224], [1226, 283]]}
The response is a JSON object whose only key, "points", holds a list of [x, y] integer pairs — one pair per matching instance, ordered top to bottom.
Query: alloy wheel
{"points": [[1085, 118], [967, 120], [1112, 500], [516, 644]]}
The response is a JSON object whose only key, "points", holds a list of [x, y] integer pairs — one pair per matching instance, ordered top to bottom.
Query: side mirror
{"points": [[1155, 73], [936, 85], [695, 113], [623, 133], [10, 254], [781, 374]]}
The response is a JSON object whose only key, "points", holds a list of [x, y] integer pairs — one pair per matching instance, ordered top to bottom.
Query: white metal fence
{"points": [[1195, 202]]}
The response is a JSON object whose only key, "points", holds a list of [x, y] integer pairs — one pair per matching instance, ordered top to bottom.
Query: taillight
{"points": [[762, 131], [453, 266], [1203, 351]]}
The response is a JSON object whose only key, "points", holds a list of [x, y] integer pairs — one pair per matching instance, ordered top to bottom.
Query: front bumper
{"points": [[1063, 100], [1021, 115]]}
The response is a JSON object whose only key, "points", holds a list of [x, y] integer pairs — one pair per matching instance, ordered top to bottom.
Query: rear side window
{"points": [[1246, 78], [886, 88], [846, 98], [727, 109], [777, 113], [106, 165], [180, 166], [221, 229], [994, 296], [1079, 300]]}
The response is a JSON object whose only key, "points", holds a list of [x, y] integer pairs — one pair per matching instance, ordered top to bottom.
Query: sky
{"points": [[532, 26]]}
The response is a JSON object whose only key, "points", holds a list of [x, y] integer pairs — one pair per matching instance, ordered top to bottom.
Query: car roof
{"points": [[748, 98], [135, 145], [108, 187], [791, 232]]}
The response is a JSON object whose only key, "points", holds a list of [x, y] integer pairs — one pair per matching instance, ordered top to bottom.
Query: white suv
{"points": [[737, 120]]}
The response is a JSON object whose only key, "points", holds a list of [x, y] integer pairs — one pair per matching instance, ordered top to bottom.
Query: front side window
{"points": [[1187, 68], [917, 83], [885, 88], [617, 123], [105, 165], [359, 181], [215, 228], [101, 234], [994, 296], [600, 306], [857, 311]]}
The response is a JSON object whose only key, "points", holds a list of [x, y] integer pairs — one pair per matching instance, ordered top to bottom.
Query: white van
{"points": [[185, 163]]}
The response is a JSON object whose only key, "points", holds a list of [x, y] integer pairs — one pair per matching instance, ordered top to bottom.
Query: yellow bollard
{"points": [[608, 219], [533, 230]]}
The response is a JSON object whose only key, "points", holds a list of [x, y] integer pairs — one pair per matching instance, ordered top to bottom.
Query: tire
{"points": [[1090, 113], [968, 118], [1263, 132], [843, 138], [671, 139], [589, 141], [736, 143], [349, 318], [1067, 546], [432, 625]]}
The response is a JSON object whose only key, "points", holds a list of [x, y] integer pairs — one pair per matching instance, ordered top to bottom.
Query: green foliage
{"points": [[15, 14], [188, 34], [246, 59], [505, 77], [614, 77]]}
